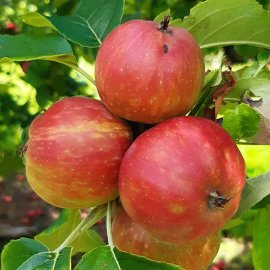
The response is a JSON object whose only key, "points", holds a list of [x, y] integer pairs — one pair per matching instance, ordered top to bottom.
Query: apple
{"points": [[147, 72], [74, 153], [182, 179], [130, 237]]}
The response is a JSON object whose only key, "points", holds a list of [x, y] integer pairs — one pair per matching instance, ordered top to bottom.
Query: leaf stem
{"points": [[77, 68], [85, 74], [232, 99], [93, 216], [109, 233]]}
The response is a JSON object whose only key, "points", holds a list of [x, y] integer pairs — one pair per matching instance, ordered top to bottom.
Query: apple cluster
{"points": [[179, 181]]}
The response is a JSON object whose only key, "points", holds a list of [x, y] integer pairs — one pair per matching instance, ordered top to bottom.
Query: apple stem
{"points": [[164, 24], [85, 74], [217, 201], [92, 218], [109, 233]]}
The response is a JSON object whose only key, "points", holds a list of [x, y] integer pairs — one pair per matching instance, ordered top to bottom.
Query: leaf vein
{"points": [[212, 13], [224, 26], [94, 33]]}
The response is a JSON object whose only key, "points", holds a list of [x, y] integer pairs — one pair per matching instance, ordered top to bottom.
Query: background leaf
{"points": [[221, 23], [256, 158], [254, 191], [55, 235], [261, 239], [16, 252], [101, 258]]}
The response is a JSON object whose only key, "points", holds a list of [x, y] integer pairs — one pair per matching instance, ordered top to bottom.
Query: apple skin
{"points": [[141, 80], [74, 153], [169, 172], [130, 237]]}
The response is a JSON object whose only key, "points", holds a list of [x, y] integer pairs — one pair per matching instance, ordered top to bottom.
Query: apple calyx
{"points": [[163, 27], [217, 201]]}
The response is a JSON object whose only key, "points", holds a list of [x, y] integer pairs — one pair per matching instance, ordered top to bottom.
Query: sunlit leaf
{"points": [[38, 20], [220, 23], [58, 231]]}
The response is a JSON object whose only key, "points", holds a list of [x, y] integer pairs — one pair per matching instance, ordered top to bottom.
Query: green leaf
{"points": [[101, 15], [161, 16], [37, 20], [224, 22], [91, 23], [176, 23], [76, 29], [25, 47], [263, 57], [257, 67], [212, 79], [260, 88], [241, 122], [254, 191], [247, 217], [55, 235], [261, 240], [16, 252], [101, 258], [98, 259], [49, 261], [63, 261], [129, 261]]}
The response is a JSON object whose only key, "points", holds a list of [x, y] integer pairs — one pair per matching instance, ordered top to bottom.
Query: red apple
{"points": [[147, 72], [74, 153], [182, 179], [130, 237]]}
